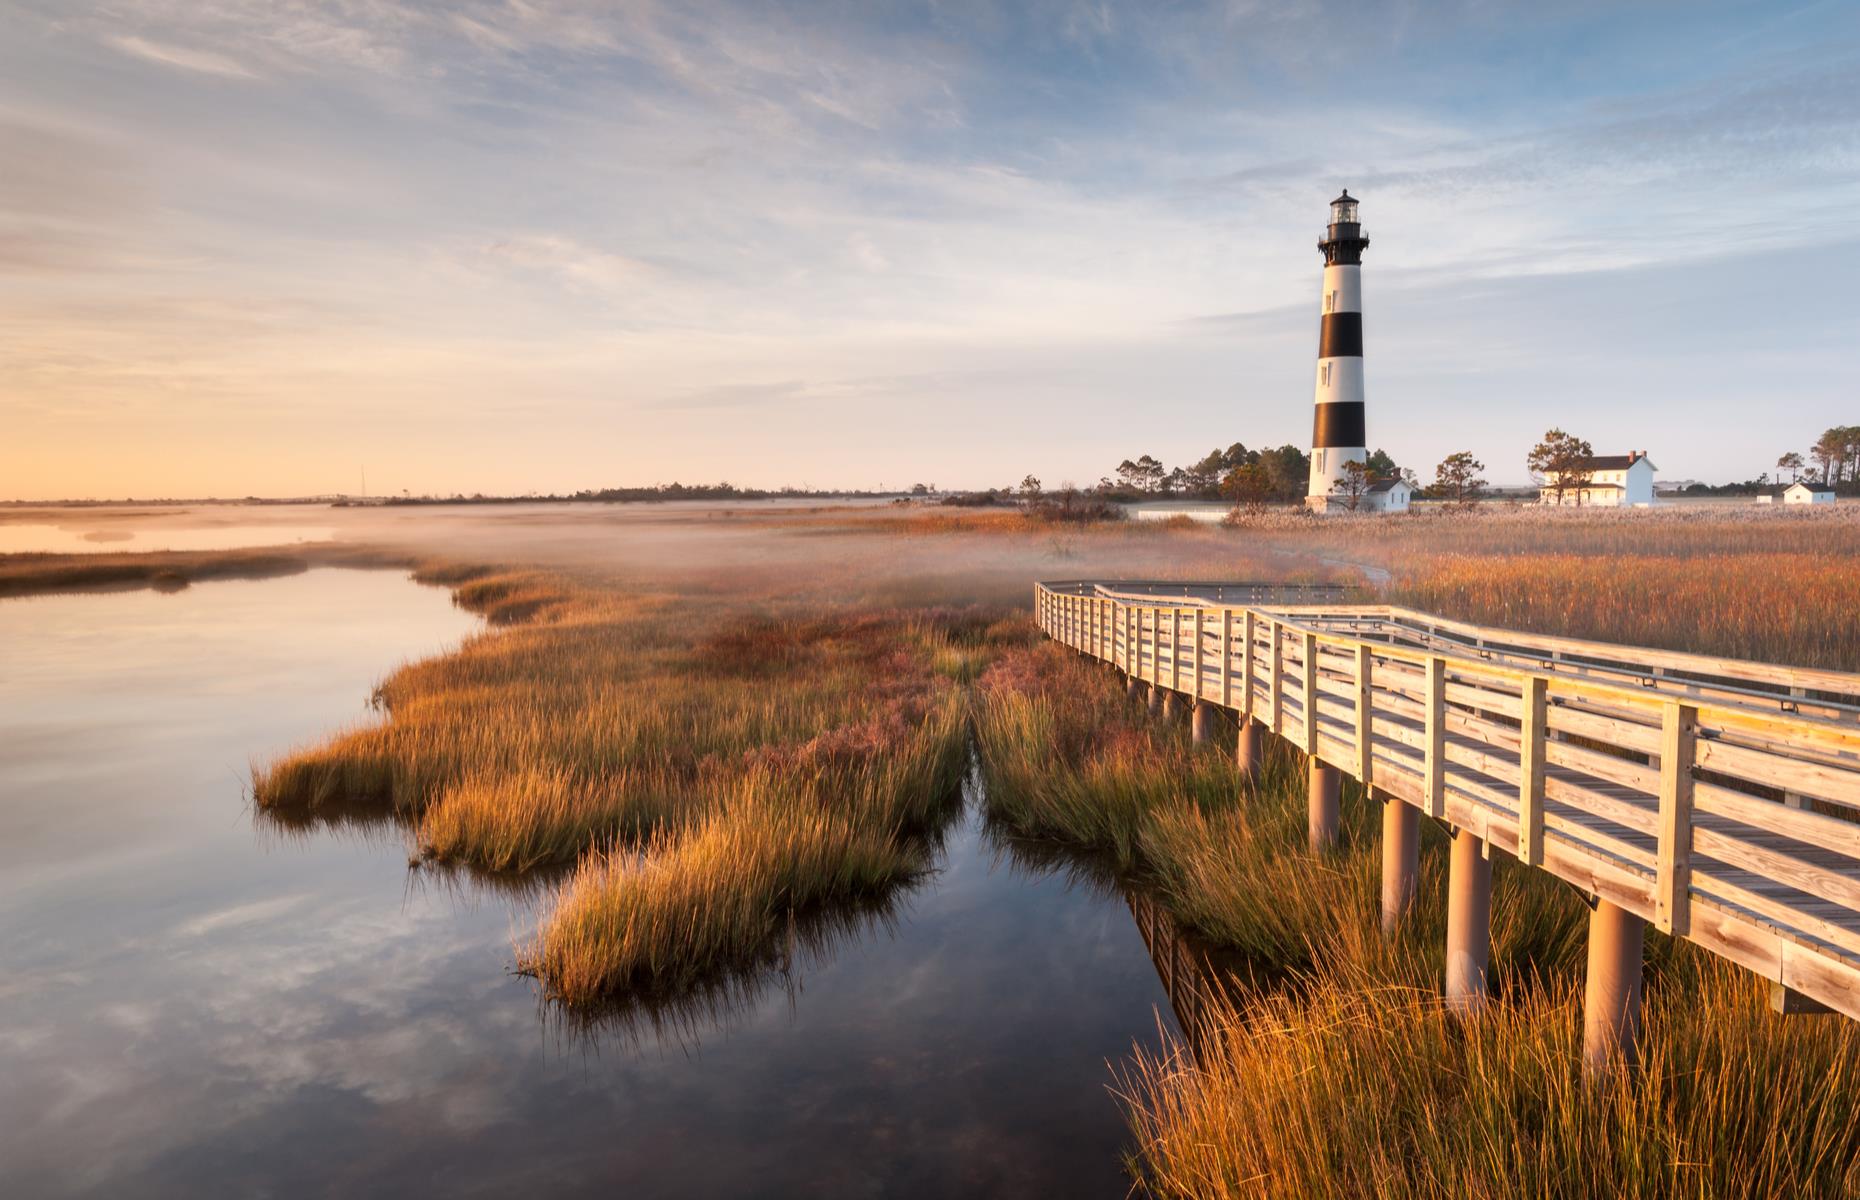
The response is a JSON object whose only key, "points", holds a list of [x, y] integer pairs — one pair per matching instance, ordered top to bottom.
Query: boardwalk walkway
{"points": [[1717, 799]]}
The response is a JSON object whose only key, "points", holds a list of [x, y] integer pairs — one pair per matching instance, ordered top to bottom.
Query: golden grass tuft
{"points": [[714, 766], [1353, 1089]]}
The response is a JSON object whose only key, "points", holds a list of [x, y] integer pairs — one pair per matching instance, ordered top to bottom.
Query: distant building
{"points": [[1612, 481], [1803, 492], [1388, 495]]}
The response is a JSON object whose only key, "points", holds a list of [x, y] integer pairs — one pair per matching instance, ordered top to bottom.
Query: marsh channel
{"points": [[197, 1004]]}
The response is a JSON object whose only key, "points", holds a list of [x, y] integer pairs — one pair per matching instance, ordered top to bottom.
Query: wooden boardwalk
{"points": [[1717, 799]]}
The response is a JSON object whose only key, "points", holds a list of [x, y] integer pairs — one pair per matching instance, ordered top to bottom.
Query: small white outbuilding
{"points": [[1803, 492], [1388, 495]]}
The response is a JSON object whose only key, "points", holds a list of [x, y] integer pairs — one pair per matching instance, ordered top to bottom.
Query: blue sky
{"points": [[252, 245]]}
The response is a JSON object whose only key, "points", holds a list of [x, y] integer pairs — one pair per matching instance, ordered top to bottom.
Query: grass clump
{"points": [[707, 766], [713, 897], [1347, 1089]]}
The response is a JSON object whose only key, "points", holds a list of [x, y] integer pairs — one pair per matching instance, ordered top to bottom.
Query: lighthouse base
{"points": [[1369, 502]]}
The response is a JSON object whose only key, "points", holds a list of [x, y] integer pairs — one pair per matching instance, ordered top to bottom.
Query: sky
{"points": [[267, 246]]}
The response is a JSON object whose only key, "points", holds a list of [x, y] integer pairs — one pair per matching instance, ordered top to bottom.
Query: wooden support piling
{"points": [[1201, 723], [1250, 750], [1321, 808], [1401, 857], [1469, 922], [1611, 991]]}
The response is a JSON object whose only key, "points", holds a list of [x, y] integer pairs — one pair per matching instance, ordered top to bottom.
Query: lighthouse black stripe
{"points": [[1341, 335], [1339, 423]]}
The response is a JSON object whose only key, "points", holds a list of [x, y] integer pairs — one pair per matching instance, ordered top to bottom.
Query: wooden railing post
{"points": [[1175, 649], [1227, 658], [1194, 663], [1246, 672], [1277, 681], [1310, 685], [1364, 737], [1531, 742], [1435, 764], [1673, 866]]}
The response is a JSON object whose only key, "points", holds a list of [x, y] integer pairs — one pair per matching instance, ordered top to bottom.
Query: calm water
{"points": [[124, 535], [192, 1006]]}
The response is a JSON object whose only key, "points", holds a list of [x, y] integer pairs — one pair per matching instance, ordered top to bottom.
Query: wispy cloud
{"points": [[206, 62]]}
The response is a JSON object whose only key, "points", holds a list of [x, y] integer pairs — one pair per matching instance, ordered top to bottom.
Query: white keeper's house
{"points": [[1613, 481]]}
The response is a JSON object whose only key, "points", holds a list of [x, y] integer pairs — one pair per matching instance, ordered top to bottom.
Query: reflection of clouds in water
{"points": [[239, 914], [283, 999]]}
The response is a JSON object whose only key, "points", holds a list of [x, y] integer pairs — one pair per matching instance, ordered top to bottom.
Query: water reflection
{"points": [[1194, 974], [1198, 978]]}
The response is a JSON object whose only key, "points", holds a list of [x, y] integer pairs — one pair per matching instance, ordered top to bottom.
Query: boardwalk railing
{"points": [[1717, 799]]}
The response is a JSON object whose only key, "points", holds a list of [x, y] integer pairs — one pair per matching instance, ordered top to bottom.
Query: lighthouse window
{"points": [[1330, 302], [1324, 374]]}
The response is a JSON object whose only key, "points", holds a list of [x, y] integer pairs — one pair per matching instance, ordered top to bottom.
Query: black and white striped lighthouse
{"points": [[1338, 435]]}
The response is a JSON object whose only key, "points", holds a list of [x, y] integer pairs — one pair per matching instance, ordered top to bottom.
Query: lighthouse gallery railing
{"points": [[1718, 799]]}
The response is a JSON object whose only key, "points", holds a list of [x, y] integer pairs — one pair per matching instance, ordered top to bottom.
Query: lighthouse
{"points": [[1337, 435]]}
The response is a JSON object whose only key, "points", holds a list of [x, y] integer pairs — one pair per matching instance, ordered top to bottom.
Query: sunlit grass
{"points": [[1797, 608], [711, 898], [1351, 1088]]}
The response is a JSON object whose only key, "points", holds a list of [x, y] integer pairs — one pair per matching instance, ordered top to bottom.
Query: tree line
{"points": [[1835, 458], [1248, 477]]}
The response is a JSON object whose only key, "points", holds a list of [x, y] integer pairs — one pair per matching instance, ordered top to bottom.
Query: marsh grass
{"points": [[1796, 608], [710, 765], [711, 899]]}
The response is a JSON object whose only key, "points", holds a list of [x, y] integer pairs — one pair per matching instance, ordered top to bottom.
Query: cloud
{"points": [[203, 61], [570, 261], [736, 395]]}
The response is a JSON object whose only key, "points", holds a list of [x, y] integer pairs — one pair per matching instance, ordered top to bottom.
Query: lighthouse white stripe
{"points": [[1343, 289], [1343, 381]]}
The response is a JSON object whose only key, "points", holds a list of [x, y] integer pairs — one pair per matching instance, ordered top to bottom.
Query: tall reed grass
{"points": [[1795, 608], [1355, 1088]]}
